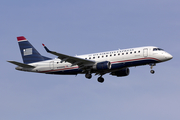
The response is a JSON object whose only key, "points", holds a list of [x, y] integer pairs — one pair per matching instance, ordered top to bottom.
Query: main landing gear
{"points": [[152, 71], [89, 76], [100, 79]]}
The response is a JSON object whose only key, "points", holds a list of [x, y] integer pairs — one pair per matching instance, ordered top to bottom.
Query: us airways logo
{"points": [[27, 51]]}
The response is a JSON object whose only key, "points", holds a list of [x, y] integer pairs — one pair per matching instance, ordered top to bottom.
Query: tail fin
{"points": [[28, 52]]}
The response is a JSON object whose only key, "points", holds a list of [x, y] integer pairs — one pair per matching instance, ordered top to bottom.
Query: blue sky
{"points": [[80, 27]]}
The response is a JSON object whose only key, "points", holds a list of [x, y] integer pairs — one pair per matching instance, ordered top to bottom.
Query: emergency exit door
{"points": [[51, 65]]}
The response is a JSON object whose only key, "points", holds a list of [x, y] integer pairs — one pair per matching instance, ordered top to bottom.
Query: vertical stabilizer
{"points": [[28, 52]]}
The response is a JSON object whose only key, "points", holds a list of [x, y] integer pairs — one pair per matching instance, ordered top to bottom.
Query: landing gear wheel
{"points": [[152, 64], [152, 71], [88, 76], [100, 79]]}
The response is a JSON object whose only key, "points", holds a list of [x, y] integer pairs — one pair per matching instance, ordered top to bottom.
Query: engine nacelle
{"points": [[106, 65], [121, 73]]}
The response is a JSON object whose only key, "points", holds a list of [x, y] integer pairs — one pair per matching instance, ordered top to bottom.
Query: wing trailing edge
{"points": [[73, 60]]}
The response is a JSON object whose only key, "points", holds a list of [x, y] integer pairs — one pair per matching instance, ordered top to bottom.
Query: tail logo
{"points": [[27, 51]]}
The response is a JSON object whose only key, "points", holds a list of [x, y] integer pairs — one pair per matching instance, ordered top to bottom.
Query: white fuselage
{"points": [[118, 58]]}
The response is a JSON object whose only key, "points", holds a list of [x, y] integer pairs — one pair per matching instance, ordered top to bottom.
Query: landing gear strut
{"points": [[152, 71], [100, 79]]}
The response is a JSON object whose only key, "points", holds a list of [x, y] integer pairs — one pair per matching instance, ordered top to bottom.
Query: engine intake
{"points": [[106, 65], [121, 73]]}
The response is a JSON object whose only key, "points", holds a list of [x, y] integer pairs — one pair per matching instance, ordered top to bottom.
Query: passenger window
{"points": [[134, 51], [138, 51], [130, 52], [122, 53], [127, 53], [114, 54], [119, 54], [106, 55], [110, 55], [102, 56], [93, 57], [98, 57], [85, 58], [89, 58]]}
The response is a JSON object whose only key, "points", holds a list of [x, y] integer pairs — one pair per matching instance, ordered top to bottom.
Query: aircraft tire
{"points": [[152, 71], [88, 76], [100, 79]]}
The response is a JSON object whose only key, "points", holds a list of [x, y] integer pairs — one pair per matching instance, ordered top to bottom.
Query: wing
{"points": [[82, 63]]}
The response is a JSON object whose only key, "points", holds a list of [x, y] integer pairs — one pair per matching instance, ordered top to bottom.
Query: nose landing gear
{"points": [[152, 71]]}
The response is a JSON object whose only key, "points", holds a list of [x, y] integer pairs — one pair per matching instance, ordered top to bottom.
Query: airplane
{"points": [[116, 62]]}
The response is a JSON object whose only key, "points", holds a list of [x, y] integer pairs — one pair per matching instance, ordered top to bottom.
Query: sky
{"points": [[80, 27]]}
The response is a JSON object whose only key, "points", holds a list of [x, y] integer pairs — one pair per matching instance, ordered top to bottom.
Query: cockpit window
{"points": [[157, 49], [160, 49]]}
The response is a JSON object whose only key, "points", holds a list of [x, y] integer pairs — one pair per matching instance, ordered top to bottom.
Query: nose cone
{"points": [[168, 56]]}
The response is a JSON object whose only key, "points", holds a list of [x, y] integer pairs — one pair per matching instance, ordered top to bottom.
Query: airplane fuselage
{"points": [[119, 59]]}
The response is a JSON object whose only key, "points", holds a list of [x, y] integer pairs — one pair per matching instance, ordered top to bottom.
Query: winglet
{"points": [[46, 48]]}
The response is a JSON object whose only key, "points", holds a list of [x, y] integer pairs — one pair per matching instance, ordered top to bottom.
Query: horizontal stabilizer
{"points": [[21, 64]]}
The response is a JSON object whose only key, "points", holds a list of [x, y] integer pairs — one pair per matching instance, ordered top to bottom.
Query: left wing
{"points": [[82, 63]]}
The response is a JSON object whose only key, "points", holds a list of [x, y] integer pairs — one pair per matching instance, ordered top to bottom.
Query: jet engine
{"points": [[106, 65], [121, 73]]}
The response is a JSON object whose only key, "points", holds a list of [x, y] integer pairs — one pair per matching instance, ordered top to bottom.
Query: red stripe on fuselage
{"points": [[136, 60], [59, 69]]}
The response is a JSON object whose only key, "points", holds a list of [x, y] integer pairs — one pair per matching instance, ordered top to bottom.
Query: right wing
{"points": [[82, 63]]}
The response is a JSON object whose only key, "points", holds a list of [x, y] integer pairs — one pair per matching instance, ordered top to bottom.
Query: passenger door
{"points": [[145, 52]]}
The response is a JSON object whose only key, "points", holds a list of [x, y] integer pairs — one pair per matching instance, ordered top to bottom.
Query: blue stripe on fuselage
{"points": [[132, 63], [116, 65]]}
